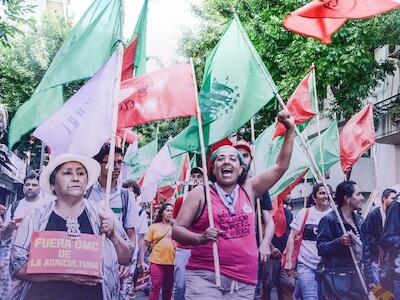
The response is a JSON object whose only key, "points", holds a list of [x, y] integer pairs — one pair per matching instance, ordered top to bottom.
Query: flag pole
{"points": [[318, 123], [114, 124], [124, 141], [42, 150], [308, 152], [110, 165], [187, 180], [206, 182], [258, 206]]}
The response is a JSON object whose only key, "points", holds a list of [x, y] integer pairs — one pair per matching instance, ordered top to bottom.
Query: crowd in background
{"points": [[169, 251]]}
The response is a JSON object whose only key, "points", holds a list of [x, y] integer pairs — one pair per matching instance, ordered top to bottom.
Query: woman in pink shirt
{"points": [[233, 202]]}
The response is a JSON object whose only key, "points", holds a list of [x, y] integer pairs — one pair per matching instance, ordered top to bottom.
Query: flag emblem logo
{"points": [[220, 100]]}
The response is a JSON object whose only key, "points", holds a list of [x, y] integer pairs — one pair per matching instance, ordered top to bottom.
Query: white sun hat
{"points": [[92, 167]]}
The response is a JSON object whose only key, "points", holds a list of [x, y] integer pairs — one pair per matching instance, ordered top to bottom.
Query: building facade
{"points": [[379, 168]]}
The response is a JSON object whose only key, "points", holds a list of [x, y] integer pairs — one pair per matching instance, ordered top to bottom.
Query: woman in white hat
{"points": [[68, 177]]}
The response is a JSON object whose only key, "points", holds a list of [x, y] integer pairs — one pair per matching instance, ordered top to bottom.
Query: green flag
{"points": [[140, 33], [84, 51], [134, 62], [234, 89], [330, 147], [266, 154], [140, 160], [193, 161]]}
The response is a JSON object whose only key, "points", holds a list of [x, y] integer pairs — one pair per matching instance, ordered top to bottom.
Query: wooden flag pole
{"points": [[114, 124], [124, 141], [307, 149], [42, 150], [253, 152], [321, 152], [110, 165], [187, 179], [206, 182]]}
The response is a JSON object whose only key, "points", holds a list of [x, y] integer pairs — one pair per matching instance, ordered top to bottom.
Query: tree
{"points": [[14, 16], [23, 64], [347, 67]]}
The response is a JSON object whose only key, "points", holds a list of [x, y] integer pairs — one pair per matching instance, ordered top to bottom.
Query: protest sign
{"points": [[52, 252]]}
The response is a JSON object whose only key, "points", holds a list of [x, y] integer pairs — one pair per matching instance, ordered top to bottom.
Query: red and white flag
{"points": [[163, 94]]}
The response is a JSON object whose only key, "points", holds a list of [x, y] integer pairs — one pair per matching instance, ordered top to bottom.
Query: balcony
{"points": [[387, 120]]}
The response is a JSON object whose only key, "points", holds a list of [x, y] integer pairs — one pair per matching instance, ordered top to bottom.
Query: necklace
{"points": [[73, 227]]}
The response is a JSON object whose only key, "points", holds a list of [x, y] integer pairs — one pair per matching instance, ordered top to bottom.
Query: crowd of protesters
{"points": [[312, 258]]}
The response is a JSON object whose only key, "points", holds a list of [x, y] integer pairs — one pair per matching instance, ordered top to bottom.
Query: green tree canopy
{"points": [[15, 14], [23, 64], [347, 66]]}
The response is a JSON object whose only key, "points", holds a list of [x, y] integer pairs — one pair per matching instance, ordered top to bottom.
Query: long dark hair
{"points": [[316, 187], [345, 188], [158, 218]]}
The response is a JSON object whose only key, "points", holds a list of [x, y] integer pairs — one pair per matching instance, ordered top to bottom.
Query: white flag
{"points": [[83, 124], [162, 166]]}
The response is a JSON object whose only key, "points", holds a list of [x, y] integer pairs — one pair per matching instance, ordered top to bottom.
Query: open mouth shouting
{"points": [[226, 171]]}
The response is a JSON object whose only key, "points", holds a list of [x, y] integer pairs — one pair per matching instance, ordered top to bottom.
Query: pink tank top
{"points": [[237, 247]]}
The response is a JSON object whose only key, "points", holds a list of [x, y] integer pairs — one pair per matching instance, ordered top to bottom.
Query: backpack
{"points": [[124, 201], [13, 208]]}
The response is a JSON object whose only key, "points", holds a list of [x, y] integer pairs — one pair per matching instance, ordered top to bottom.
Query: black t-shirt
{"points": [[266, 203], [280, 242], [64, 290]]}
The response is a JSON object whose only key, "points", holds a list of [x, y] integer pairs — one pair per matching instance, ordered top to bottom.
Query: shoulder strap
{"points": [[88, 192], [125, 203], [13, 208], [305, 220], [162, 237]]}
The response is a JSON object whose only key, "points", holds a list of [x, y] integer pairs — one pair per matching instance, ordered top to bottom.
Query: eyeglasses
{"points": [[116, 162]]}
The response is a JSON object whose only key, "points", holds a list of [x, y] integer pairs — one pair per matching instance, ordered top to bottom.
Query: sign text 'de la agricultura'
{"points": [[52, 252]]}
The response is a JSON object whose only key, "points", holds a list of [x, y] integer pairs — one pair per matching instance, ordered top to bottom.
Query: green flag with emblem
{"points": [[88, 46], [234, 89]]}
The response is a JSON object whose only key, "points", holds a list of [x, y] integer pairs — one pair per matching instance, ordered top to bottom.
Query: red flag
{"points": [[346, 9], [321, 18], [319, 28], [128, 60], [164, 94], [301, 104], [130, 135], [357, 136], [185, 174], [278, 213]]}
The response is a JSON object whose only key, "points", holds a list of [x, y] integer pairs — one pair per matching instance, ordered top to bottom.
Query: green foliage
{"points": [[14, 16], [23, 65], [347, 67], [166, 129]]}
